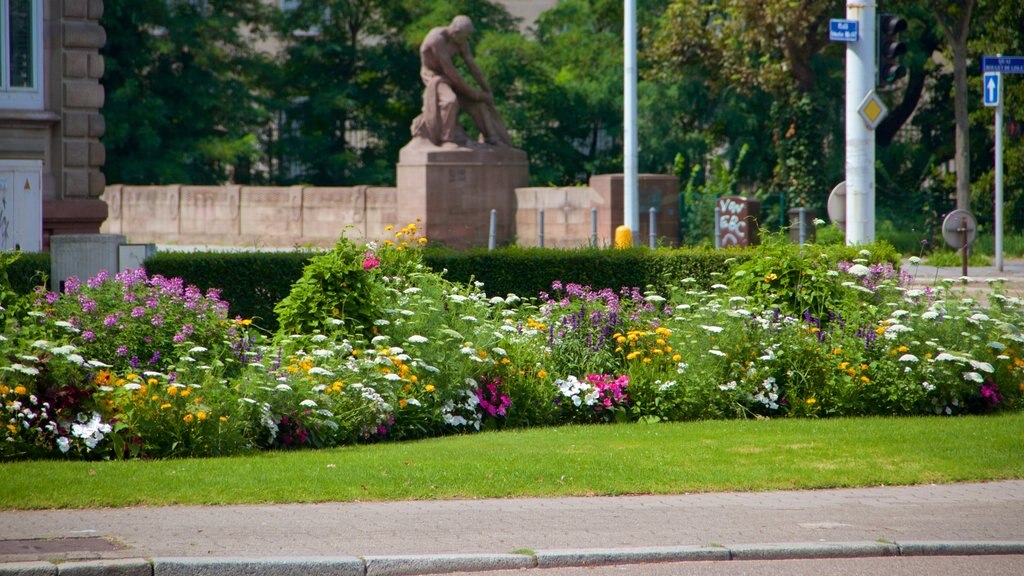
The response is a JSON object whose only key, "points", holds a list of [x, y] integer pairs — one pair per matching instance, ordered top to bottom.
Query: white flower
{"points": [[818, 222], [914, 260], [859, 270], [832, 273], [719, 287], [411, 290], [457, 297], [653, 298], [683, 307], [930, 315], [979, 317], [468, 318], [336, 321], [381, 322], [713, 329], [318, 338], [417, 339], [196, 349], [63, 350], [468, 351], [499, 351], [716, 352], [322, 353], [947, 357], [908, 358], [98, 364], [983, 366], [318, 371], [392, 376], [973, 377], [133, 386], [729, 386], [928, 387], [283, 388], [413, 402], [308, 403], [64, 443]]}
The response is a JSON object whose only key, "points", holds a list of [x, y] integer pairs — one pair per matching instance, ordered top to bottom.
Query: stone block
{"points": [[76, 8], [95, 9], [84, 35], [76, 64], [97, 65], [85, 94], [76, 124], [97, 125], [76, 153], [97, 154], [76, 183], [97, 183], [454, 191], [659, 191], [112, 196], [382, 210], [150, 213], [209, 213], [327, 213], [271, 216], [568, 216], [326, 566], [110, 567], [28, 569]]}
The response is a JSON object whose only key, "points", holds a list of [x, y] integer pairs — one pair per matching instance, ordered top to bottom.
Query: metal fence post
{"points": [[652, 226], [540, 227], [593, 227], [492, 236]]}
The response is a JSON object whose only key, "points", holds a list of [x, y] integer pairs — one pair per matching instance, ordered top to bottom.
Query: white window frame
{"points": [[18, 98]]}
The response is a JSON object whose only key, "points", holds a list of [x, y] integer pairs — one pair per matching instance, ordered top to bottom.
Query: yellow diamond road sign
{"points": [[872, 110]]}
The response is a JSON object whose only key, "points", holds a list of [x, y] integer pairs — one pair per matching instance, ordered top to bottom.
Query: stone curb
{"points": [[443, 563]]}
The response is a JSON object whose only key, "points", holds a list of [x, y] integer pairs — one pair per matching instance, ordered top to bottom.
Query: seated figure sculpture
{"points": [[447, 92]]}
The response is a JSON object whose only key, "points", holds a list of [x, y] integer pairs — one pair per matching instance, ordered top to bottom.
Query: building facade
{"points": [[51, 155]]}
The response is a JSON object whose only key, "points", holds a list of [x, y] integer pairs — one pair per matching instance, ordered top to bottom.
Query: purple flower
{"points": [[98, 280], [52, 297], [138, 312], [110, 320], [157, 320], [88, 335], [179, 338], [122, 350], [155, 358], [990, 392]]}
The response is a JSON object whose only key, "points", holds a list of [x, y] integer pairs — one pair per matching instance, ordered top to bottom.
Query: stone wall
{"points": [[282, 217]]}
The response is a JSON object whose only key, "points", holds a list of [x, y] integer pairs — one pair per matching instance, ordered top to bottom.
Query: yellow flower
{"points": [[389, 228], [422, 240], [770, 277], [243, 321], [880, 330], [621, 339], [903, 349], [837, 351], [633, 355], [676, 357], [647, 360], [503, 361], [843, 365], [863, 367], [542, 374], [103, 378], [865, 379], [120, 382], [152, 382], [429, 388], [4, 390], [20, 390], [173, 391], [185, 392], [155, 398], [811, 401], [403, 403], [165, 406], [201, 415], [188, 418], [223, 418]]}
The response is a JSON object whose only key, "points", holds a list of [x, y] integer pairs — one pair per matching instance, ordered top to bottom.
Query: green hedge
{"points": [[30, 270], [527, 271], [251, 282]]}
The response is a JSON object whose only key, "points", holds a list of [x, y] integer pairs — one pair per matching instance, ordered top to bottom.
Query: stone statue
{"points": [[447, 92]]}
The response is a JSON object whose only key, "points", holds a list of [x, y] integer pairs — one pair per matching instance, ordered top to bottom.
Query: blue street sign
{"points": [[843, 30], [1004, 64], [991, 89]]}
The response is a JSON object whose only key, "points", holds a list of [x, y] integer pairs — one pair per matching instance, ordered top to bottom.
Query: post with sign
{"points": [[993, 68], [860, 135]]}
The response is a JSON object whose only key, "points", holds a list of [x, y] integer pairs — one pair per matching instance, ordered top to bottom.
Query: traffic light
{"points": [[890, 48]]}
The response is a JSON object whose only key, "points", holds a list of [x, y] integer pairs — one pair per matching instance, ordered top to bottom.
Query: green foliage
{"points": [[339, 292]]}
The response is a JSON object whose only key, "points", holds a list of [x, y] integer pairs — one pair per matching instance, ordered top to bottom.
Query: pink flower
{"points": [[370, 261]]}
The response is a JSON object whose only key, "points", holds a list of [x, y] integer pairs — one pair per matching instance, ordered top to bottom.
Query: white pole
{"points": [[860, 139], [999, 181], [630, 204], [492, 235]]}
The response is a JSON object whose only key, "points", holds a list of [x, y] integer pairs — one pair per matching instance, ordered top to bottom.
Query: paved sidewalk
{"points": [[422, 536]]}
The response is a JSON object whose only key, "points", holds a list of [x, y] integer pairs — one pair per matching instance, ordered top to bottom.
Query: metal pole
{"points": [[860, 139], [999, 182], [630, 204], [803, 224], [652, 226], [540, 227], [593, 227], [492, 236]]}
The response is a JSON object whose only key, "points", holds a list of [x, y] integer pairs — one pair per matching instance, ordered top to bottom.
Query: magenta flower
{"points": [[370, 261]]}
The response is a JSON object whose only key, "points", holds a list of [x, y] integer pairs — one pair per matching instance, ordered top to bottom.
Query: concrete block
{"points": [[76, 8], [95, 9], [84, 35], [76, 64], [97, 65], [85, 94], [76, 124], [97, 125], [76, 153], [97, 154], [76, 183], [659, 191], [112, 196], [382, 210], [209, 212], [329, 212], [150, 213], [271, 214], [84, 256], [960, 548], [811, 550], [598, 557], [440, 564], [326, 566], [126, 567], [28, 569]]}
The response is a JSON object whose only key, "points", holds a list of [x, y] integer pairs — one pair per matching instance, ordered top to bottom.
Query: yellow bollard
{"points": [[623, 237]]}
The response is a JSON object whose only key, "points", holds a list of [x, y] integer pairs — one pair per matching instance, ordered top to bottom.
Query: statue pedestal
{"points": [[453, 191]]}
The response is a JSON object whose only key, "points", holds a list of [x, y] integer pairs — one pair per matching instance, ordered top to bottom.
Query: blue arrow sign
{"points": [[843, 30], [1004, 64], [990, 85]]}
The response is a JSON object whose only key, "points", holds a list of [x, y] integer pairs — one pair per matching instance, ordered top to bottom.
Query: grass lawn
{"points": [[564, 461]]}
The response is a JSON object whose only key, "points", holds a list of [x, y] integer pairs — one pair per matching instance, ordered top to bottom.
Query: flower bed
{"points": [[373, 346]]}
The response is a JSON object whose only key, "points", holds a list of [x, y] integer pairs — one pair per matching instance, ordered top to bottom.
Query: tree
{"points": [[182, 104]]}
